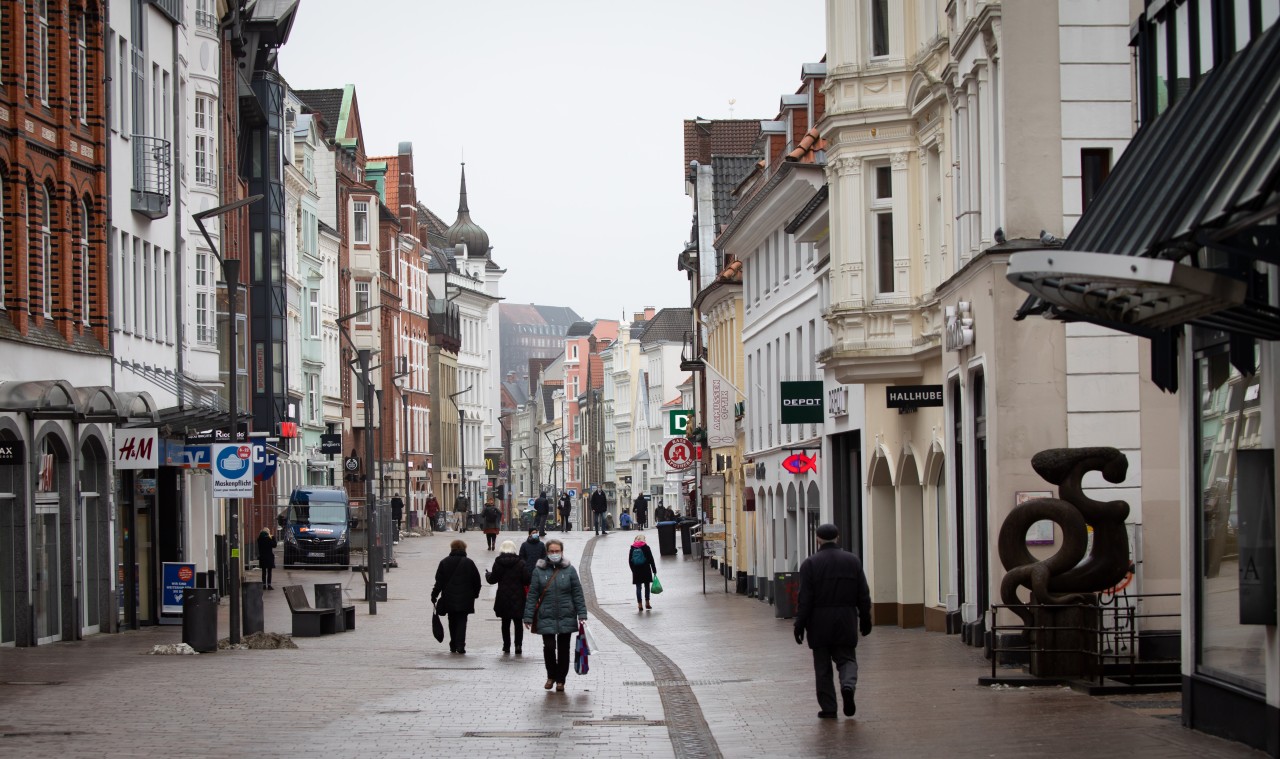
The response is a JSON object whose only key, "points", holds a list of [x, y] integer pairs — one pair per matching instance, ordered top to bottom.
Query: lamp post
{"points": [[230, 275], [401, 380], [462, 451], [374, 547]]}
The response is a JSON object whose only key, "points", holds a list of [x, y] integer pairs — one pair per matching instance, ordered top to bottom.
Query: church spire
{"points": [[466, 231]]}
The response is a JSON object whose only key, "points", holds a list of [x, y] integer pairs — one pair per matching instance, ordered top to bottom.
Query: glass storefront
{"points": [[1229, 423]]}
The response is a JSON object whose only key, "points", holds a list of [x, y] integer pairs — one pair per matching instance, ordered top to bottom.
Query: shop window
{"points": [[1095, 167], [1227, 426]]}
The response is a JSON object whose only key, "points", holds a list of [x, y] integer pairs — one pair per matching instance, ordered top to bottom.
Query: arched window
{"points": [[46, 250], [85, 263]]}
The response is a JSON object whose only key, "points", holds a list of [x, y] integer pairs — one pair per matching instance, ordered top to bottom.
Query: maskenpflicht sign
{"points": [[802, 402], [232, 470]]}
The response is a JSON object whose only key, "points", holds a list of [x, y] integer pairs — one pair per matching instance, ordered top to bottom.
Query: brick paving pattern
{"points": [[387, 688]]}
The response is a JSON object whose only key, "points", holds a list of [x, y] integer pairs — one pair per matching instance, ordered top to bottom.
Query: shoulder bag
{"points": [[541, 596], [437, 627]]}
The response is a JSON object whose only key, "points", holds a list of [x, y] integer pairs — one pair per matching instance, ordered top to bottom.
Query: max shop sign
{"points": [[913, 396], [802, 402], [11, 452]]}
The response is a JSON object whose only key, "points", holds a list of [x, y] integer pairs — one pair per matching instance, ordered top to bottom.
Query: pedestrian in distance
{"points": [[461, 507], [542, 507], [565, 508], [599, 508], [641, 509], [433, 510], [397, 515], [624, 520], [490, 522], [532, 549], [266, 556], [643, 569], [511, 575], [456, 590], [834, 606], [554, 607]]}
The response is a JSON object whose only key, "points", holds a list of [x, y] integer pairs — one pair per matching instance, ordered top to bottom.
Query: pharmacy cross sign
{"points": [[678, 453]]}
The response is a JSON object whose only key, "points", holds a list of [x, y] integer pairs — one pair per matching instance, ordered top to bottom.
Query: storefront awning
{"points": [[1202, 175], [59, 399]]}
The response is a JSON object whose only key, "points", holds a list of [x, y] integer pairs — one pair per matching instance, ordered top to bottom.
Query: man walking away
{"points": [[599, 505], [543, 507], [565, 508], [641, 510], [397, 515], [834, 606]]}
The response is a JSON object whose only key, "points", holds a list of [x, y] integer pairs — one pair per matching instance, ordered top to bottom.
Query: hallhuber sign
{"points": [[913, 396], [802, 402]]}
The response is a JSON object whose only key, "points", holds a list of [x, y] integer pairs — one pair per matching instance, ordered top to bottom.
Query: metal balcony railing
{"points": [[206, 20], [152, 176], [206, 177]]}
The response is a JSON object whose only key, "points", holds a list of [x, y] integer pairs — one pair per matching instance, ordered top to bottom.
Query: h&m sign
{"points": [[802, 402], [137, 449]]}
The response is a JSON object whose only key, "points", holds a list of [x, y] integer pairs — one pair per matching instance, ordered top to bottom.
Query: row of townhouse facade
{"points": [[120, 122], [854, 253]]}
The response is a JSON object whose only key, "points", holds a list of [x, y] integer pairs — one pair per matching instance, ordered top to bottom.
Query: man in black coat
{"points": [[599, 505], [543, 507], [565, 507], [641, 510], [457, 588], [834, 605]]}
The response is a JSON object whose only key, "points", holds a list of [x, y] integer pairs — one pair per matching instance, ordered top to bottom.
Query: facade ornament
{"points": [[898, 160]]}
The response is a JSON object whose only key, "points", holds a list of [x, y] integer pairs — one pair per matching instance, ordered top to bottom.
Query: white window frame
{"points": [[41, 9], [82, 67], [881, 207], [360, 221], [46, 252], [85, 268], [364, 291], [313, 312], [313, 397]]}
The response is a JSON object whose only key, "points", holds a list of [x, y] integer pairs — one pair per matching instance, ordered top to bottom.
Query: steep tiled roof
{"points": [[327, 103], [704, 138], [807, 149], [727, 172], [390, 180], [436, 228], [558, 314], [668, 325], [579, 329]]}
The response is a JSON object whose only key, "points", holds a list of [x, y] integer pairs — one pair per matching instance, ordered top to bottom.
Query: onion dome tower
{"points": [[466, 231]]}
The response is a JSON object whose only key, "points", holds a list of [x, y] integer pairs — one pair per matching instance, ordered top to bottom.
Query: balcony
{"points": [[206, 21], [152, 175], [206, 178], [882, 343]]}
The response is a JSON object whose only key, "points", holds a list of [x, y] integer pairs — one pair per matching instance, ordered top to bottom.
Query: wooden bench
{"points": [[309, 622]]}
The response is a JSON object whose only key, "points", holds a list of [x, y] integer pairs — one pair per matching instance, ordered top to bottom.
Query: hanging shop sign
{"points": [[958, 326], [913, 396], [802, 402], [838, 402], [678, 422], [331, 443], [137, 449], [12, 452], [678, 453], [264, 462], [799, 463]]}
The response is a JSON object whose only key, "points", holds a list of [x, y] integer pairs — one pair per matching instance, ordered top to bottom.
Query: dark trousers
{"points": [[564, 521], [600, 523], [540, 524], [492, 539], [266, 575], [646, 587], [507, 622], [457, 632], [555, 652], [846, 660]]}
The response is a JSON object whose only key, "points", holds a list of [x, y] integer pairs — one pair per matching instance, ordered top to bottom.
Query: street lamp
{"points": [[230, 275], [401, 380], [462, 450], [374, 547]]}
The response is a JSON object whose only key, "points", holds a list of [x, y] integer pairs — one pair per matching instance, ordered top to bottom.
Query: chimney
{"points": [[649, 311], [639, 317]]}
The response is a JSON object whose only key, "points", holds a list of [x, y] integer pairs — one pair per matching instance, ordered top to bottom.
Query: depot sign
{"points": [[802, 402], [232, 470]]}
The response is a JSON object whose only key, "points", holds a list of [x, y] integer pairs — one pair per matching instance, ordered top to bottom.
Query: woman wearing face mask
{"points": [[553, 608]]}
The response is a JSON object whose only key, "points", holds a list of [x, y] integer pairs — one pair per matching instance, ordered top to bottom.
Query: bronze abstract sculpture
{"points": [[1064, 578]]}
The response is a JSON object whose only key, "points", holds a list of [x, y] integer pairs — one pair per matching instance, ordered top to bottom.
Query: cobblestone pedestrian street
{"points": [[712, 675]]}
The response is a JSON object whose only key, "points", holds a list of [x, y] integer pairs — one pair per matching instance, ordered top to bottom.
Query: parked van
{"points": [[317, 527]]}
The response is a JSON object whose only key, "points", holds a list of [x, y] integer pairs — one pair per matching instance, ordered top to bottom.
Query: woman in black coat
{"points": [[266, 556], [640, 559], [511, 576], [457, 588]]}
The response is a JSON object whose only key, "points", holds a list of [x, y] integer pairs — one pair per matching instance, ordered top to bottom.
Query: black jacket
{"points": [[599, 503], [542, 505], [566, 505], [641, 508], [490, 517], [531, 550], [266, 551], [642, 572], [511, 576], [457, 585], [834, 598]]}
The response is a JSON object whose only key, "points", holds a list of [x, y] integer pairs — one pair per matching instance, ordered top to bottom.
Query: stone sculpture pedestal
{"points": [[1065, 641]]}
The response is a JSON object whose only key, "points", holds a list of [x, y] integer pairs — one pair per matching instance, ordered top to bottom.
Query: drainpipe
{"points": [[179, 248]]}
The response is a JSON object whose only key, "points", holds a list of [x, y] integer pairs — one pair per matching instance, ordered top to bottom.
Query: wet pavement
{"points": [[698, 676]]}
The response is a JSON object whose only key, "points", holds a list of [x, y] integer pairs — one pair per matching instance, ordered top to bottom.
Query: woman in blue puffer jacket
{"points": [[554, 607]]}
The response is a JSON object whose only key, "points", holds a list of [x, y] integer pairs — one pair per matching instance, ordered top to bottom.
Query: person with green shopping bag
{"points": [[644, 572]]}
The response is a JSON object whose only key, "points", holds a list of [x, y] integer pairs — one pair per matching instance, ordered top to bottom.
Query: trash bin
{"points": [[687, 527], [666, 538], [786, 594], [329, 596], [200, 619], [251, 619]]}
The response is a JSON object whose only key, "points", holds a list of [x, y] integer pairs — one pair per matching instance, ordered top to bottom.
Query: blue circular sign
{"points": [[232, 462], [264, 463]]}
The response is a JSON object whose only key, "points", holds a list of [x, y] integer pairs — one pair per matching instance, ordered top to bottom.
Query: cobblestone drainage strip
{"points": [[446, 669], [32, 682], [400, 711], [620, 720], [42, 733], [512, 734]]}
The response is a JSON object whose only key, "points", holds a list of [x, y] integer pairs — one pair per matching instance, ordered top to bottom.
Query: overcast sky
{"points": [[569, 114]]}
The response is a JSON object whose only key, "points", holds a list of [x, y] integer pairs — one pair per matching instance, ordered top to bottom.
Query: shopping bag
{"points": [[656, 588], [437, 627], [581, 652]]}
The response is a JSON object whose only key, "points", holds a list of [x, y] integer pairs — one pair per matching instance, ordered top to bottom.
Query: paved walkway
{"points": [[712, 675]]}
